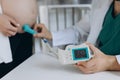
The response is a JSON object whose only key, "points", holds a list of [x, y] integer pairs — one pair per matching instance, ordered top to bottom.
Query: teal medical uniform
{"points": [[109, 37]]}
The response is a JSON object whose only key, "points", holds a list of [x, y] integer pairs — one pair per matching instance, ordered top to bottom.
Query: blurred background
{"points": [[53, 2], [60, 14]]}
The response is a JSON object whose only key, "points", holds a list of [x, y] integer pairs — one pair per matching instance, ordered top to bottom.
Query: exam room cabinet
{"points": [[58, 15]]}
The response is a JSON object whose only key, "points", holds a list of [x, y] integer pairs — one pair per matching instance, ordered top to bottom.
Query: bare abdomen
{"points": [[23, 11]]}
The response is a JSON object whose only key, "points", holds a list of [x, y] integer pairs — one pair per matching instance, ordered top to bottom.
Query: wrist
{"points": [[113, 63]]}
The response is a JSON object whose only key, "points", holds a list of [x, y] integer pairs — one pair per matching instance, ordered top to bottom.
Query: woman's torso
{"points": [[23, 11]]}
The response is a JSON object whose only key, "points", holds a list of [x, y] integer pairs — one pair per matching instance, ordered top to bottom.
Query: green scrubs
{"points": [[109, 37], [21, 46]]}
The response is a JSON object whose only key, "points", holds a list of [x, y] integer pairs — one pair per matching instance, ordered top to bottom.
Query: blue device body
{"points": [[28, 29]]}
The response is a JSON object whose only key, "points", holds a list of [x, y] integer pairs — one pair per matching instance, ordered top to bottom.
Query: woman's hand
{"points": [[8, 26], [42, 32], [99, 62]]}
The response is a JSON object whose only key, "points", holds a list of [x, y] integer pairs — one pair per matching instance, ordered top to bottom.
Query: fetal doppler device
{"points": [[28, 29], [74, 54]]}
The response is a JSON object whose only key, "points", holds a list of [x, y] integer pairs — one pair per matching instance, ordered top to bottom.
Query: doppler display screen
{"points": [[80, 54]]}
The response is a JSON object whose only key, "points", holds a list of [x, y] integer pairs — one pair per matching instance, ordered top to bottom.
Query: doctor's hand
{"points": [[8, 26], [42, 32], [100, 62]]}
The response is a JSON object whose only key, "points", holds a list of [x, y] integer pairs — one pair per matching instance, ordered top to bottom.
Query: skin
{"points": [[117, 8], [22, 11], [5, 25], [44, 32], [100, 61], [96, 63]]}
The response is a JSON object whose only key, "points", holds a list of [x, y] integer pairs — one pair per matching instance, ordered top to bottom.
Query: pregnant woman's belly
{"points": [[23, 11]]}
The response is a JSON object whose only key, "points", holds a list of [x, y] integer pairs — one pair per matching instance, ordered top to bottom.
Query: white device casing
{"points": [[66, 56]]}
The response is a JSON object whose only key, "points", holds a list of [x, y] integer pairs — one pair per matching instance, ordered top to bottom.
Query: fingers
{"points": [[13, 22], [8, 26], [13, 27], [35, 27], [39, 29], [12, 30], [43, 32], [11, 33], [38, 35], [92, 47], [95, 51], [83, 63], [87, 64], [92, 65], [81, 66], [86, 67], [85, 70]]}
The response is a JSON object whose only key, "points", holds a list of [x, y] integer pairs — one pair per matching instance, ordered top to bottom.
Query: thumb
{"points": [[38, 28], [38, 35], [92, 47], [94, 50]]}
